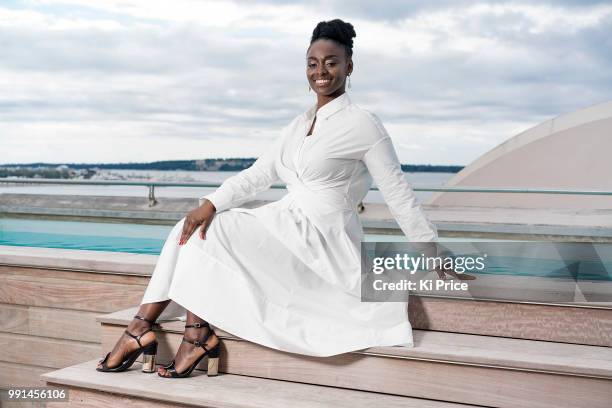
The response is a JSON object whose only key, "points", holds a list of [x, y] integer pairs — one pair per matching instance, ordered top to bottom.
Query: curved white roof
{"points": [[572, 151]]}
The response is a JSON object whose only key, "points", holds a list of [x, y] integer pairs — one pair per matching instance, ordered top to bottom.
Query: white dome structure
{"points": [[570, 152]]}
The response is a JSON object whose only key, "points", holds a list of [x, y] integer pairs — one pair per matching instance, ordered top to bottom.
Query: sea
{"points": [[415, 179]]}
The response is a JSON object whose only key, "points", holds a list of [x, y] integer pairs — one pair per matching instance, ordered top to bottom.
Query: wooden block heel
{"points": [[149, 353], [213, 361]]}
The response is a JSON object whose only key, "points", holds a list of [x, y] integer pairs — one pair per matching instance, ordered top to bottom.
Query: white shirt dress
{"points": [[286, 275]]}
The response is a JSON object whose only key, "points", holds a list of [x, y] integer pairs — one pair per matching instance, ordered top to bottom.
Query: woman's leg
{"points": [[151, 307], [126, 344], [187, 352]]}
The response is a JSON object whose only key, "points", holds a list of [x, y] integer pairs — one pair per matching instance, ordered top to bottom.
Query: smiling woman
{"points": [[328, 60], [286, 275]]}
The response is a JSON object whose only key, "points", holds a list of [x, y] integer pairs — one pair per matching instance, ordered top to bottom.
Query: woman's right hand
{"points": [[201, 216]]}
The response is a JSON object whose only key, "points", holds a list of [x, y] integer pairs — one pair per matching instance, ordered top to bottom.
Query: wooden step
{"points": [[79, 260], [23, 286], [50, 322], [547, 322], [44, 351], [479, 370], [21, 375], [89, 388]]}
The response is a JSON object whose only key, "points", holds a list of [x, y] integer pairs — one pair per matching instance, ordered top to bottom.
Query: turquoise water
{"points": [[97, 236]]}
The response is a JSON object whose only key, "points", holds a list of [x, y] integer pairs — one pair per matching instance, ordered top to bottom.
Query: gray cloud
{"points": [[394, 10], [475, 77]]}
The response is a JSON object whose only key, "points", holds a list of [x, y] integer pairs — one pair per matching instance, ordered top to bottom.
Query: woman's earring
{"points": [[349, 82], [309, 89]]}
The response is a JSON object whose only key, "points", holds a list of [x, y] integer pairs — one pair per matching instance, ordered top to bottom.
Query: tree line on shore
{"points": [[86, 170]]}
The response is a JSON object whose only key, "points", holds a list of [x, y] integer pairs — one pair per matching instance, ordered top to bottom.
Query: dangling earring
{"points": [[349, 81], [309, 89]]}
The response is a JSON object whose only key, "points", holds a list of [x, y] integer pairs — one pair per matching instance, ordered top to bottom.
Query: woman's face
{"points": [[327, 66]]}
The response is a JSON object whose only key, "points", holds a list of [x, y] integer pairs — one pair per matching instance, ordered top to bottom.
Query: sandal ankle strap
{"points": [[151, 322], [198, 325], [137, 338], [200, 343]]}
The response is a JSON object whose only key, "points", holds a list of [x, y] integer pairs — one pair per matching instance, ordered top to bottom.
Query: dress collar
{"points": [[329, 108]]}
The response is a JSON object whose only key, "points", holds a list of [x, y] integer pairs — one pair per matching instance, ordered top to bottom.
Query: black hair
{"points": [[336, 30]]}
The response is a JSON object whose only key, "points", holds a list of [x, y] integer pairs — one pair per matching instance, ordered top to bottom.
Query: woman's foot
{"points": [[126, 344], [188, 353]]}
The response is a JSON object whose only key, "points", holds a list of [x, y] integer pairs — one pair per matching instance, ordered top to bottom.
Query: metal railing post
{"points": [[152, 200]]}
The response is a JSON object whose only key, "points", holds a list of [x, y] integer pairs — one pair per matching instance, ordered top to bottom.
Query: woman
{"points": [[287, 274]]}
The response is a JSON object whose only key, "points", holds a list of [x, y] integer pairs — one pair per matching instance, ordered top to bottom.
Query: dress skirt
{"points": [[245, 280]]}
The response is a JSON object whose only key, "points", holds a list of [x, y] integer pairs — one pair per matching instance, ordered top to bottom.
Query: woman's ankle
{"points": [[137, 326], [196, 333]]}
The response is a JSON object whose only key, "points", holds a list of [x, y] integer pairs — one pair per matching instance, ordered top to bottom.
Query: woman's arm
{"points": [[382, 163], [384, 166], [243, 186]]}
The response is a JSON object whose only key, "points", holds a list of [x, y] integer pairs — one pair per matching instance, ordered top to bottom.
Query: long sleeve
{"points": [[384, 166], [243, 186]]}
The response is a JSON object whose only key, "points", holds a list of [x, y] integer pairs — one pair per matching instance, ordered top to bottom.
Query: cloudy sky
{"points": [[144, 80]]}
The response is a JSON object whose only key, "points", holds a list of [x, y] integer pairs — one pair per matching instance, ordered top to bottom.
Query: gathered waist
{"points": [[321, 201]]}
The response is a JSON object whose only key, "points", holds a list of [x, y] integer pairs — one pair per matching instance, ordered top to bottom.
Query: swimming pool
{"points": [[96, 236], [99, 236]]}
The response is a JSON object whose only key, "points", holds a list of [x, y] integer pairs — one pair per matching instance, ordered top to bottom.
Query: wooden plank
{"points": [[78, 259], [84, 275], [69, 294], [14, 319], [50, 322], [565, 324], [45, 352], [570, 359], [21, 375], [470, 384], [227, 391], [87, 398], [23, 404]]}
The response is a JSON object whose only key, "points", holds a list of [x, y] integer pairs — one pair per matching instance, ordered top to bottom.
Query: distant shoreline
{"points": [[87, 170], [90, 170]]}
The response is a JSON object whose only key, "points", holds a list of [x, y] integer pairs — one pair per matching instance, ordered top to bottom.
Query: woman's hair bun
{"points": [[337, 30]]}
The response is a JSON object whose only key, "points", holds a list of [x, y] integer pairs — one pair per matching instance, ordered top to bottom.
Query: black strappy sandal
{"points": [[150, 350], [213, 355]]}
